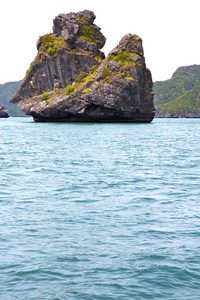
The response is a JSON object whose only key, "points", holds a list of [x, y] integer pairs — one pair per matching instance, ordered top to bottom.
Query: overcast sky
{"points": [[169, 30]]}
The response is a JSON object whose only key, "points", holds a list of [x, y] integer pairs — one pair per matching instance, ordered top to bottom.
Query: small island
{"points": [[71, 80], [3, 112]]}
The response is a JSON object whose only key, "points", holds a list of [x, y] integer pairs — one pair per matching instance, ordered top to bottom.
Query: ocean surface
{"points": [[99, 211]]}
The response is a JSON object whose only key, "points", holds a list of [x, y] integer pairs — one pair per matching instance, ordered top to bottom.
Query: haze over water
{"points": [[99, 211]]}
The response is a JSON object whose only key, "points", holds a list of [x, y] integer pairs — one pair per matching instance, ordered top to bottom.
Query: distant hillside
{"points": [[7, 90], [179, 96]]}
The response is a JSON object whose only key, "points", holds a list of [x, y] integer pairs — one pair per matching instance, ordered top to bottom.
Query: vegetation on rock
{"points": [[87, 33], [51, 45], [63, 55], [123, 57], [106, 73], [80, 77], [79, 83], [70, 89], [44, 96]]}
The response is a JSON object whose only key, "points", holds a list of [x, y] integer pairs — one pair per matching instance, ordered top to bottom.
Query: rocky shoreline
{"points": [[175, 115]]}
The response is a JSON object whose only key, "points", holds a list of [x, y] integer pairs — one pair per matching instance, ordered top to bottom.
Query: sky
{"points": [[169, 30]]}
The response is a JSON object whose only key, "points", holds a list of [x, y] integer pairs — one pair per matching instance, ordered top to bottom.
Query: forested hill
{"points": [[7, 90], [180, 95]]}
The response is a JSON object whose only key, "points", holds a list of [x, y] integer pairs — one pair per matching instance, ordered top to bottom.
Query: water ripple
{"points": [[99, 211]]}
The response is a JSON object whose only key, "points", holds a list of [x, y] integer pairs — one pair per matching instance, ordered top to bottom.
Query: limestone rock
{"points": [[73, 47], [117, 89], [3, 112]]}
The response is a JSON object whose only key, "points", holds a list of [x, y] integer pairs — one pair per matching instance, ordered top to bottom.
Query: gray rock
{"points": [[63, 54], [120, 90], [3, 112]]}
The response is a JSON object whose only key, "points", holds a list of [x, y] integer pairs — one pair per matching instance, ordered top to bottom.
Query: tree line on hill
{"points": [[7, 90], [179, 96]]}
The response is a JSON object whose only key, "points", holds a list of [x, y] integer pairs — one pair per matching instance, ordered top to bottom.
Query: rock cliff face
{"points": [[70, 80], [3, 112]]}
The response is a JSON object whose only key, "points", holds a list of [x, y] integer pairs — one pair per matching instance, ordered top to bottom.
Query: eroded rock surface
{"points": [[71, 48], [69, 81]]}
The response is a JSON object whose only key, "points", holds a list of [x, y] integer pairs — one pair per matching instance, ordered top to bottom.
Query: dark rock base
{"points": [[3, 112], [137, 119]]}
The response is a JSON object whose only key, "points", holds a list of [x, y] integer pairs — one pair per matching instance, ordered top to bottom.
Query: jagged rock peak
{"points": [[71, 21], [75, 26], [78, 31], [130, 42], [73, 47]]}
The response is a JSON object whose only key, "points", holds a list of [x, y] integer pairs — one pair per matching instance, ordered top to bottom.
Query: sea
{"points": [[99, 211]]}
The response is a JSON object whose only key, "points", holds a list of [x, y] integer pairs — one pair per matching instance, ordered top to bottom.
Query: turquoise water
{"points": [[99, 211]]}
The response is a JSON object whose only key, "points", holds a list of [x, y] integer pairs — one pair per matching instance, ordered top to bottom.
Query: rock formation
{"points": [[71, 81], [3, 112]]}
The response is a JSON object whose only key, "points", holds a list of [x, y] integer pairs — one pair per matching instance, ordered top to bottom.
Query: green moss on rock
{"points": [[87, 33], [50, 44], [124, 58], [106, 73], [79, 77], [70, 89], [85, 91], [44, 96]]}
